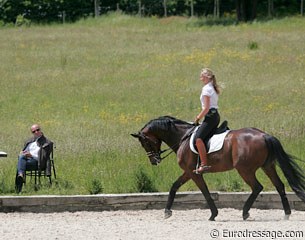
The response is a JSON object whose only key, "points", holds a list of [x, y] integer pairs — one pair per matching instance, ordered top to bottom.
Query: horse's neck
{"points": [[172, 139]]}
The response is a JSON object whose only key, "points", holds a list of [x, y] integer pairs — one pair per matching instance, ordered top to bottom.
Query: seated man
{"points": [[34, 155]]}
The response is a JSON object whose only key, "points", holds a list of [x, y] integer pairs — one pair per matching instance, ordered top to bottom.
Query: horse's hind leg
{"points": [[250, 179], [275, 179], [172, 193]]}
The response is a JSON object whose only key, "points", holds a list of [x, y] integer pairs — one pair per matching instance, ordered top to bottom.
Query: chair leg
{"points": [[54, 172], [35, 177], [24, 178], [50, 180]]}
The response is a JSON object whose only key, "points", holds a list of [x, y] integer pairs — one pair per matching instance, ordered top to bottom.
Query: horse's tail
{"points": [[293, 173]]}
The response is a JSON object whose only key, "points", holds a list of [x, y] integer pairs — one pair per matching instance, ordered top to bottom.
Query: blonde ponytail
{"points": [[209, 73], [215, 85]]}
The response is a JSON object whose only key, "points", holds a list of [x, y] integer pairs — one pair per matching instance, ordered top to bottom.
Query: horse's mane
{"points": [[164, 123]]}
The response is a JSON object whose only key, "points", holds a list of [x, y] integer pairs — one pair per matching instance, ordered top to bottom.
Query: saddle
{"points": [[222, 128], [214, 142]]}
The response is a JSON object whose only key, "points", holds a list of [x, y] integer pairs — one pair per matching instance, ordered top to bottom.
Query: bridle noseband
{"points": [[150, 145], [151, 153]]}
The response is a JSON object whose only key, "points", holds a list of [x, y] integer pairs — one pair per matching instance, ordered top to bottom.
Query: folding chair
{"points": [[45, 171]]}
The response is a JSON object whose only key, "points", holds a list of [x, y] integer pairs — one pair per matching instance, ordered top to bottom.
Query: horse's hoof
{"points": [[167, 213], [213, 216], [245, 216], [286, 217]]}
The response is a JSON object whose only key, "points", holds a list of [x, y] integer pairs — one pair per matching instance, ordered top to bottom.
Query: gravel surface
{"points": [[150, 224]]}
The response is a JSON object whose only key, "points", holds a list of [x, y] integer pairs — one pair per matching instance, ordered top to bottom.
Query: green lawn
{"points": [[92, 83]]}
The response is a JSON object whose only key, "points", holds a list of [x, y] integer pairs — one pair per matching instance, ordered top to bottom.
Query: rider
{"points": [[209, 103]]}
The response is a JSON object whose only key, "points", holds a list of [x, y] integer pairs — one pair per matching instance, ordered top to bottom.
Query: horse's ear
{"points": [[136, 135]]}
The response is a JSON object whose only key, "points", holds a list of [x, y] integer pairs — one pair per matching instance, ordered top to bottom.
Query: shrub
{"points": [[21, 20], [253, 45], [143, 182], [95, 187]]}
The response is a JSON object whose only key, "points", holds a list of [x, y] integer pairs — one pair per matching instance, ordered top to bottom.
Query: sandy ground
{"points": [[150, 224]]}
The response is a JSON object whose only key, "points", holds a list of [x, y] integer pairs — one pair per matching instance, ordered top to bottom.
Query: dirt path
{"points": [[149, 224]]}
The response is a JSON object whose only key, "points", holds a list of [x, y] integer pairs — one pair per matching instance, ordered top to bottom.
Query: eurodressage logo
{"points": [[249, 234]]}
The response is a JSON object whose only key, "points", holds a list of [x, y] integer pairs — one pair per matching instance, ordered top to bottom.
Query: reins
{"points": [[185, 136], [165, 150]]}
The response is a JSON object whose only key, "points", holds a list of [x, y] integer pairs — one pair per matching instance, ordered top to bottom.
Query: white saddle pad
{"points": [[215, 142]]}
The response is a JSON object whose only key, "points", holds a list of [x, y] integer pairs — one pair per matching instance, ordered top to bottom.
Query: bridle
{"points": [[150, 145], [150, 148], [171, 148]]}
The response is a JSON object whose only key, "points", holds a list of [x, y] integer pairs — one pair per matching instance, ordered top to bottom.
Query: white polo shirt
{"points": [[208, 90]]}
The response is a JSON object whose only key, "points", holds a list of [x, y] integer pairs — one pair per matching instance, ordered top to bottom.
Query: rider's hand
{"points": [[196, 121]]}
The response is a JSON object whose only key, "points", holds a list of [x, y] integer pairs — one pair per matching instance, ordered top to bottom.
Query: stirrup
{"points": [[203, 169]]}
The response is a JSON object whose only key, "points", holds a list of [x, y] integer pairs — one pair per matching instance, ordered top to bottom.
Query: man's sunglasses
{"points": [[36, 130]]}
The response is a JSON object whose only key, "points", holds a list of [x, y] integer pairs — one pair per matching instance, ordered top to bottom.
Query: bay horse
{"points": [[246, 150]]}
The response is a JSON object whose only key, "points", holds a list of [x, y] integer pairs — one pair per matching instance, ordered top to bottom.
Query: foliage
{"points": [[45, 11], [49, 11], [21, 20], [252, 45], [92, 83], [143, 182], [95, 187]]}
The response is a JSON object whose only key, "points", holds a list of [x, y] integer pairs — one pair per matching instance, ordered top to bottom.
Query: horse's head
{"points": [[163, 129], [152, 146]]}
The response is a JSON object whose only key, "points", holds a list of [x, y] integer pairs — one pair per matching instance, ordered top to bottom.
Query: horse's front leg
{"points": [[198, 179], [172, 193]]}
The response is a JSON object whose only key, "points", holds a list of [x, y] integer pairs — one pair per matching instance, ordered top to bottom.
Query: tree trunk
{"points": [[96, 8], [140, 8], [165, 8], [192, 8], [216, 8], [270, 8], [302, 8], [241, 10], [246, 10], [254, 10], [238, 13]]}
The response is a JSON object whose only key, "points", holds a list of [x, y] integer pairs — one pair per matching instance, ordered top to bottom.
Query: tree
{"points": [[96, 8], [192, 8], [216, 8], [270, 8], [165, 9], [246, 10], [47, 11]]}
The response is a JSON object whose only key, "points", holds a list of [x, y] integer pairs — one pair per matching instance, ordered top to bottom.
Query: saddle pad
{"points": [[215, 142]]}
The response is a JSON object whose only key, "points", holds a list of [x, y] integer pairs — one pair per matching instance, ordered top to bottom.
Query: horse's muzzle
{"points": [[154, 158]]}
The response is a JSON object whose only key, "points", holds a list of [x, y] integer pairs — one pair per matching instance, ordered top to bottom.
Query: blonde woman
{"points": [[209, 112]]}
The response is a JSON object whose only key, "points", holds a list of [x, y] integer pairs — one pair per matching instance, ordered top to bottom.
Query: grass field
{"points": [[92, 83]]}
